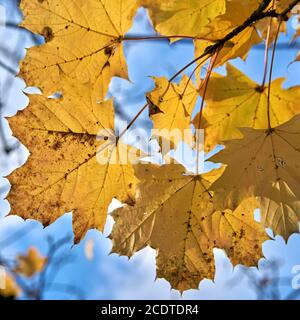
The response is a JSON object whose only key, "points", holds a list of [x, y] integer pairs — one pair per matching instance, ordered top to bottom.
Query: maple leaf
{"points": [[176, 17], [228, 21], [83, 41], [242, 42], [239, 45], [235, 101], [170, 108], [265, 163], [76, 164], [174, 214], [31, 263]]}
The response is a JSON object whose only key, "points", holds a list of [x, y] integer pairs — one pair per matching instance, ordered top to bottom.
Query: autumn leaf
{"points": [[236, 13], [176, 17], [83, 41], [242, 42], [239, 45], [235, 101], [170, 108], [265, 163], [75, 164], [174, 214], [31, 263]]}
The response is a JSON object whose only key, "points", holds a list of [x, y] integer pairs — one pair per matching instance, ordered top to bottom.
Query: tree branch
{"points": [[256, 16]]}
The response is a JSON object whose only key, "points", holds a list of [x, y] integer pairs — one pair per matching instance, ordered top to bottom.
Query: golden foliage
{"points": [[72, 139]]}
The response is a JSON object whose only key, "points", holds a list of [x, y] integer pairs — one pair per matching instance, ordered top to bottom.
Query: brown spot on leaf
{"points": [[47, 33], [108, 51], [153, 109], [56, 145]]}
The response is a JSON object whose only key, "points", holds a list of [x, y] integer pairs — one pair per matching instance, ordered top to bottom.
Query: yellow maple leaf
{"points": [[237, 12], [177, 17], [83, 41], [239, 45], [235, 101], [170, 108], [75, 162], [265, 163], [174, 214], [31, 263]]}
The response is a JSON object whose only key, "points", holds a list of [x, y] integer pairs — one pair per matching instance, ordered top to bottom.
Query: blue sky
{"points": [[110, 276]]}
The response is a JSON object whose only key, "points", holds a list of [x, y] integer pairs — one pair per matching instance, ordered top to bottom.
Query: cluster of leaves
{"points": [[183, 216]]}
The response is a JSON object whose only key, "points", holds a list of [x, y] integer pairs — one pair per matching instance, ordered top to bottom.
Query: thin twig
{"points": [[268, 39], [271, 73], [205, 85]]}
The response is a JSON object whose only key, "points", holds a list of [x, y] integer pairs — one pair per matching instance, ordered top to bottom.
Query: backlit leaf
{"points": [[174, 214]]}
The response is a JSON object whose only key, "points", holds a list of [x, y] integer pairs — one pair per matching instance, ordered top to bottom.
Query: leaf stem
{"points": [[159, 37], [266, 59], [192, 73], [271, 73], [205, 86], [132, 122]]}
